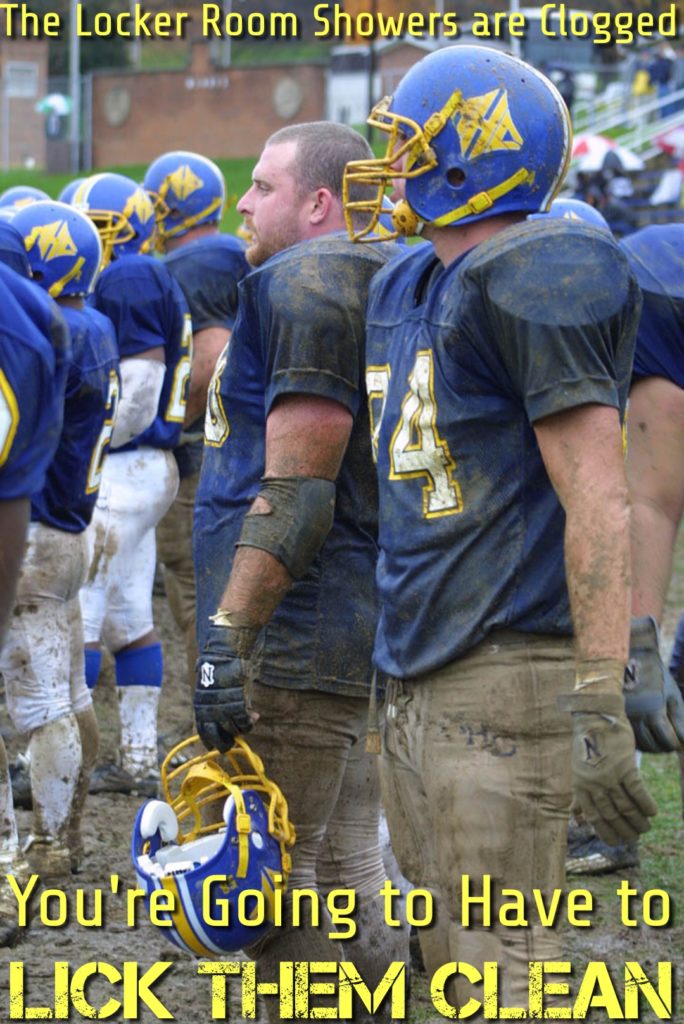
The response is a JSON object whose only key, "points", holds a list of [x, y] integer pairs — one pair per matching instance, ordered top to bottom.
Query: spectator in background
{"points": [[661, 71], [678, 77], [641, 79], [565, 84], [588, 188], [615, 206]]}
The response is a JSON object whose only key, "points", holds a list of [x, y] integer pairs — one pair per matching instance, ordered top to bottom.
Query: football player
{"points": [[70, 189], [189, 191], [21, 195], [573, 209], [12, 251], [34, 356], [497, 372], [654, 421], [654, 445], [655, 450], [140, 480], [285, 536], [42, 662]]}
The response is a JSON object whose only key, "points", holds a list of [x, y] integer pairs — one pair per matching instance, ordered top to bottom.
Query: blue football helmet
{"points": [[474, 132], [69, 190], [188, 190], [21, 195], [574, 209], [122, 212], [244, 232], [62, 245], [12, 251], [656, 254], [222, 829]]}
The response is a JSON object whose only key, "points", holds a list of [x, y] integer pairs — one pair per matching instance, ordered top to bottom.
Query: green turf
{"points": [[237, 172]]}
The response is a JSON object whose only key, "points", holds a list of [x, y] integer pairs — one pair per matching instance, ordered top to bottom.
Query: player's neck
{"points": [[330, 226], [191, 236], [450, 243], [75, 301]]}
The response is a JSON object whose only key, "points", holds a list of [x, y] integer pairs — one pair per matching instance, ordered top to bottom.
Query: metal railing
{"points": [[635, 123]]}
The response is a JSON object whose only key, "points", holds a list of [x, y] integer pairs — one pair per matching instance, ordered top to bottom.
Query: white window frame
{"points": [[24, 72]]}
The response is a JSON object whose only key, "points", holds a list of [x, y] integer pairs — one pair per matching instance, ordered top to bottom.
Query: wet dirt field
{"points": [[183, 994]]}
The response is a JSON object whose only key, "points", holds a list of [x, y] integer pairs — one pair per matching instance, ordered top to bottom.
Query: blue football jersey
{"points": [[656, 254], [209, 271], [148, 310], [300, 330], [34, 357], [461, 363], [93, 387]]}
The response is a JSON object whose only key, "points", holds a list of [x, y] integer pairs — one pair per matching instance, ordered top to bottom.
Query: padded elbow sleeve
{"points": [[141, 385], [301, 511]]}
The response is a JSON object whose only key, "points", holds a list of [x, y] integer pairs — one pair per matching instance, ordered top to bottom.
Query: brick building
{"points": [[23, 82], [222, 112]]}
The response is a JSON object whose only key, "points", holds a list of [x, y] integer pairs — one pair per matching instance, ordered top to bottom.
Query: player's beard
{"points": [[280, 238]]}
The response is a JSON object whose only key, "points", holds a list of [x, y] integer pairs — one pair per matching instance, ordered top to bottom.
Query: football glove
{"points": [[653, 702], [221, 704], [607, 786]]}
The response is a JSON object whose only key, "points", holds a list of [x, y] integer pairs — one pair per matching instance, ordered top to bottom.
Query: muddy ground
{"points": [[182, 992]]}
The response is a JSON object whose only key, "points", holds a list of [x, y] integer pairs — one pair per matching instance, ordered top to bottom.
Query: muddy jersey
{"points": [[656, 254], [208, 271], [148, 310], [300, 330], [34, 356], [462, 362], [91, 398]]}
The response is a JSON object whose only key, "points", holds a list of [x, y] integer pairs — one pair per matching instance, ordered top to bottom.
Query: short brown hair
{"points": [[324, 148]]}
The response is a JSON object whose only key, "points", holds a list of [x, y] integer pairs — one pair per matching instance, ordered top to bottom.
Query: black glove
{"points": [[653, 702], [220, 703]]}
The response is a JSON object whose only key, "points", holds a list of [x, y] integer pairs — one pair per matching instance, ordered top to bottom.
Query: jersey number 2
{"points": [[175, 410], [102, 445]]}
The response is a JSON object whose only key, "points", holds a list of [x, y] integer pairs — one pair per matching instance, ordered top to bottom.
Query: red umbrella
{"points": [[672, 141], [591, 145], [596, 152]]}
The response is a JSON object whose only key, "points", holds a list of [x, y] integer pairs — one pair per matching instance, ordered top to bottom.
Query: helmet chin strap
{"points": [[485, 200], [407, 222]]}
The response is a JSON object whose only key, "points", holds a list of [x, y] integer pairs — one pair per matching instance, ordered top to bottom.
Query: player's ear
{"points": [[321, 205]]}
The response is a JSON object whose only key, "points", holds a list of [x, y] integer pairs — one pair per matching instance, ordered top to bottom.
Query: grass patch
{"points": [[263, 52], [163, 55], [238, 174]]}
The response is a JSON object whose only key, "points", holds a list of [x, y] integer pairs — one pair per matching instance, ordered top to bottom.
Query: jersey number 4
{"points": [[416, 449]]}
